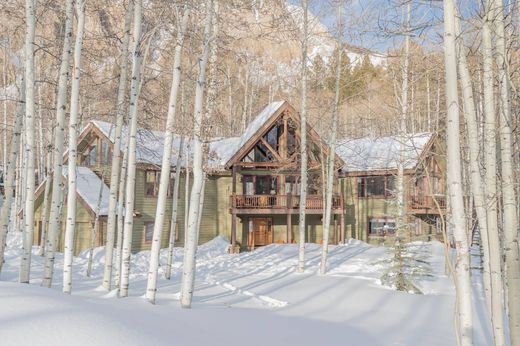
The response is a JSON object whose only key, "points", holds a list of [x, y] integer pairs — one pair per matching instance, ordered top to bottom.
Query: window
{"points": [[90, 158], [152, 182], [376, 186], [381, 226], [148, 231]]}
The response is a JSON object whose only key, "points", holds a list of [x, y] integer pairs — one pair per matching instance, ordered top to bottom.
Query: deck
{"points": [[281, 204], [433, 204]]}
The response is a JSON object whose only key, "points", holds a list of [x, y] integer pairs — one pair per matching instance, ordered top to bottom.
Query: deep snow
{"points": [[253, 298]]}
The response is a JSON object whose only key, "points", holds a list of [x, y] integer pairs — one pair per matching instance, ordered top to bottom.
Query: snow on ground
{"points": [[253, 298]]}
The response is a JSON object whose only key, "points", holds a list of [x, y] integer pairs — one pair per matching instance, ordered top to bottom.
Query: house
{"points": [[253, 181]]}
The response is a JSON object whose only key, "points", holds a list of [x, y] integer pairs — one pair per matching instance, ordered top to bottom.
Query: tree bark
{"points": [[303, 144], [332, 151], [116, 154], [166, 162], [130, 179], [57, 181], [9, 182], [175, 202], [509, 206], [95, 226], [70, 228], [190, 251], [25, 266], [462, 267]]}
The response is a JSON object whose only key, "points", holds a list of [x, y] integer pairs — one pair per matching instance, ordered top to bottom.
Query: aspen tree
{"points": [[61, 106], [303, 141], [332, 151], [116, 154], [166, 162], [131, 163], [9, 182], [197, 193], [175, 203], [46, 204], [509, 205], [95, 226], [70, 228], [25, 266], [492, 277], [464, 323]]}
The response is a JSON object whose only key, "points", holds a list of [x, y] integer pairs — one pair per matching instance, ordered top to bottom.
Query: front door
{"points": [[261, 232]]}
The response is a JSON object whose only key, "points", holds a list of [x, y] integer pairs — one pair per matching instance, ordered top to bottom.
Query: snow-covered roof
{"points": [[262, 117], [149, 146], [221, 150], [372, 154], [88, 185]]}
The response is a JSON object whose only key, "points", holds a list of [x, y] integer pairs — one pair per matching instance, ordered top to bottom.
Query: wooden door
{"points": [[262, 231]]}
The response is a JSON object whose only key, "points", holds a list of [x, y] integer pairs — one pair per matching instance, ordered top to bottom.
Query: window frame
{"points": [[363, 180], [157, 183], [387, 219], [145, 225]]}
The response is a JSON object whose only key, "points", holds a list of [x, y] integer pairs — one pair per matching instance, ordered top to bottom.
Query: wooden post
{"points": [[234, 209], [289, 218]]}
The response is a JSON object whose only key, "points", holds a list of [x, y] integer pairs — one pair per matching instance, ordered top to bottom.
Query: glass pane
{"points": [[390, 185], [361, 186], [376, 186], [148, 231]]}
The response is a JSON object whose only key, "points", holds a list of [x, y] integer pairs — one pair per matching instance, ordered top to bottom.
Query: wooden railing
{"points": [[280, 202], [427, 202]]}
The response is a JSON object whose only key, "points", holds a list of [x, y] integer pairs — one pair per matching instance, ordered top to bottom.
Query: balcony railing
{"points": [[314, 202], [428, 202]]}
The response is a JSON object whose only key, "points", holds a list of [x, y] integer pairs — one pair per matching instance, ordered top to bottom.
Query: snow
{"points": [[372, 154], [87, 186], [253, 298]]}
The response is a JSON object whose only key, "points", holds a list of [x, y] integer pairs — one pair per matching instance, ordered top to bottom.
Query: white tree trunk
{"points": [[303, 144], [332, 151], [116, 153], [490, 160], [166, 162], [57, 179], [130, 179], [9, 182], [175, 203], [46, 204], [120, 218], [510, 218], [401, 224], [70, 228], [190, 250], [25, 266], [462, 267], [492, 277]]}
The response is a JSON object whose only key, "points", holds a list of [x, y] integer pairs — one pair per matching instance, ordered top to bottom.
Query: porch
{"points": [[281, 204], [427, 204]]}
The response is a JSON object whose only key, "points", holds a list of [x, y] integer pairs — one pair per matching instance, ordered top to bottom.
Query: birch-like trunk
{"points": [[303, 144], [332, 152], [116, 153], [490, 160], [166, 162], [57, 179], [130, 179], [9, 181], [175, 203], [46, 204], [509, 205], [121, 217], [401, 225], [70, 228], [190, 250], [25, 266], [492, 275], [464, 321]]}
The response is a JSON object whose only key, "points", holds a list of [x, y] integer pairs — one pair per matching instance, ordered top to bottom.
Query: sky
{"points": [[376, 24]]}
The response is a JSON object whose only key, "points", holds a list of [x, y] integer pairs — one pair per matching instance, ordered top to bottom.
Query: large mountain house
{"points": [[252, 185]]}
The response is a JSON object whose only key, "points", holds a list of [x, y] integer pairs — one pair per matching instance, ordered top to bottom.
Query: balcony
{"points": [[281, 204], [428, 204]]}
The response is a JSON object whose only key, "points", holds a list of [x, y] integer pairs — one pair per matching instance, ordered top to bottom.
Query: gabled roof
{"points": [[382, 153], [88, 185]]}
